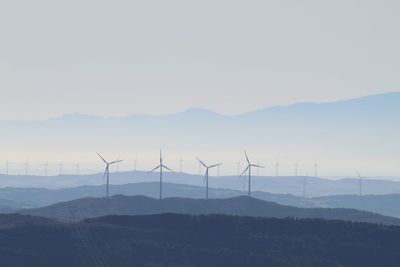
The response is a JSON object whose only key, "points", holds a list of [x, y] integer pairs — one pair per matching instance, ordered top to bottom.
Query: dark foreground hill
{"points": [[242, 206], [170, 240]]}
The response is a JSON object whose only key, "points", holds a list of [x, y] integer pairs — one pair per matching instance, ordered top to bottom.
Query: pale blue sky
{"points": [[120, 57]]}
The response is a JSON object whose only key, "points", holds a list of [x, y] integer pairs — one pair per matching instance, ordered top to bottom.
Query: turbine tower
{"points": [[249, 165], [161, 167], [296, 169], [107, 171], [207, 172], [359, 182]]}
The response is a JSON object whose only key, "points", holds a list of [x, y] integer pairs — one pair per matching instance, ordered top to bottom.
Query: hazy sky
{"points": [[156, 56]]}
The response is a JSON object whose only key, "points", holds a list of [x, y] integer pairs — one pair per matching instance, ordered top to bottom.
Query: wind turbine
{"points": [[118, 159], [7, 165], [46, 165], [180, 165], [27, 167], [61, 167], [78, 167], [161, 167], [249, 169], [277, 169], [296, 169], [315, 169], [107, 171], [207, 172], [359, 182]]}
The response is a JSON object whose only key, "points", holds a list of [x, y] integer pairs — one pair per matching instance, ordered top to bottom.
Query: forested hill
{"points": [[170, 240]]}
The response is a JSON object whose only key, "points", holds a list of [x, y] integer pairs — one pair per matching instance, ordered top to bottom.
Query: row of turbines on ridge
{"points": [[162, 166]]}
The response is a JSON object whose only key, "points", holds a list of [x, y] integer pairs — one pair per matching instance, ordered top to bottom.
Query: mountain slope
{"points": [[242, 206]]}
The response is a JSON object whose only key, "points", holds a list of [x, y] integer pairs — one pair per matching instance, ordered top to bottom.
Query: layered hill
{"points": [[242, 206]]}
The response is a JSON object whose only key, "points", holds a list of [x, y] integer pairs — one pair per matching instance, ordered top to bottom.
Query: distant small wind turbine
{"points": [[118, 159], [7, 165], [46, 165], [180, 165], [249, 165], [26, 167], [61, 167], [78, 167], [161, 167], [277, 169], [296, 169], [315, 169], [107, 171], [207, 172], [359, 183]]}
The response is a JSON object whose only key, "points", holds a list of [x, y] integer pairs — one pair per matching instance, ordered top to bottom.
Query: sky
{"points": [[115, 58]]}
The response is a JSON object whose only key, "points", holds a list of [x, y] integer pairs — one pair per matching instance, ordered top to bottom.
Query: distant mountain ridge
{"points": [[389, 100], [359, 133]]}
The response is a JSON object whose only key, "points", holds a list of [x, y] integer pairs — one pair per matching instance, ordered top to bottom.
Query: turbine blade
{"points": [[102, 158], [247, 158], [116, 161], [202, 162], [215, 165], [257, 166], [168, 168], [155, 169], [245, 170], [105, 173], [358, 174]]}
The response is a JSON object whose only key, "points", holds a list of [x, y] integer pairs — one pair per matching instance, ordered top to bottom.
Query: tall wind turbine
{"points": [[249, 165], [161, 167], [107, 171], [207, 172], [359, 182]]}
